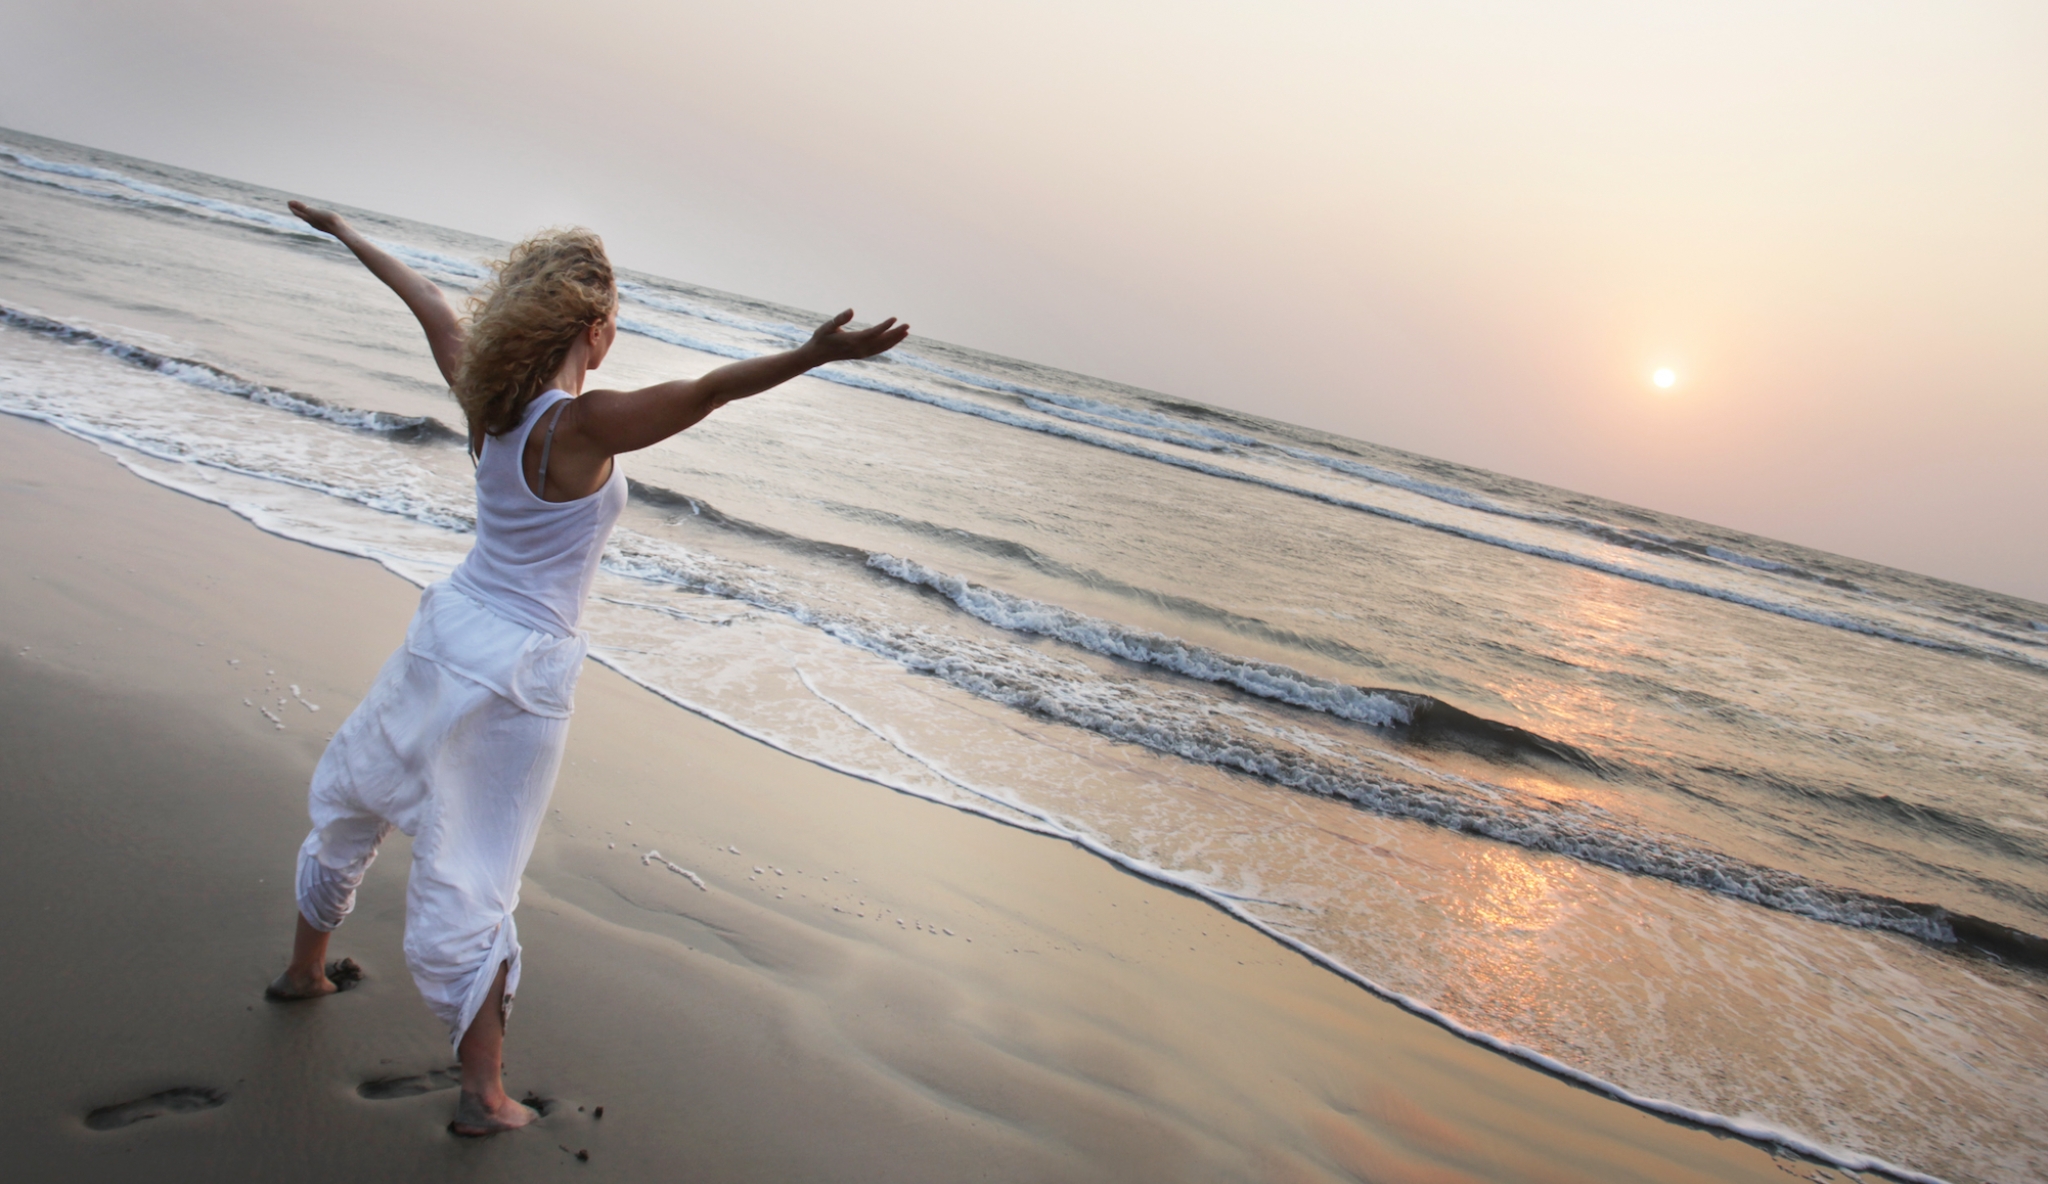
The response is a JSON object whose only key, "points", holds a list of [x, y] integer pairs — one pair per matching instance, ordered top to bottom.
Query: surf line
{"points": [[1487, 810], [1042, 823], [1618, 850]]}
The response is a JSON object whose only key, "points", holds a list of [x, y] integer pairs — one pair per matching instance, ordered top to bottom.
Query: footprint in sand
{"points": [[384, 1089], [185, 1099]]}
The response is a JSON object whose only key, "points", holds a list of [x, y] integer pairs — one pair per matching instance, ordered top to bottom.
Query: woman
{"points": [[458, 742]]}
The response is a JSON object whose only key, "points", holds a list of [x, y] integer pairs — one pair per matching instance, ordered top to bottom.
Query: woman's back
{"points": [[534, 560]]}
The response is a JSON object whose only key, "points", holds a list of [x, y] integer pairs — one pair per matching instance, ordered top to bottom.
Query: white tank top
{"points": [[534, 560]]}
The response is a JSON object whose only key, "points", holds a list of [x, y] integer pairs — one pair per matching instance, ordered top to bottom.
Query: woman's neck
{"points": [[574, 367]]}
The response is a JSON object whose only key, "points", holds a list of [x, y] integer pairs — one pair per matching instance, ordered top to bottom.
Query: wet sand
{"points": [[902, 992]]}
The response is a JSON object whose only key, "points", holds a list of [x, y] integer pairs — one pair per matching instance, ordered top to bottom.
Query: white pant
{"points": [[464, 767]]}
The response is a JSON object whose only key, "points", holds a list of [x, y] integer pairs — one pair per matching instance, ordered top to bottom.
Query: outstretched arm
{"points": [[444, 330], [606, 423]]}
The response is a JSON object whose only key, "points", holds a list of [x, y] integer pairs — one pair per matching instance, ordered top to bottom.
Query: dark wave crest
{"points": [[409, 429], [710, 515], [1010, 550], [1433, 722]]}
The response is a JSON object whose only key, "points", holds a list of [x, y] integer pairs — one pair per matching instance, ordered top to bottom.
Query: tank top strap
{"points": [[535, 410], [547, 445], [508, 451]]}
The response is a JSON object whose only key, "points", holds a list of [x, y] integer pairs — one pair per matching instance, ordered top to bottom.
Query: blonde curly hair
{"points": [[543, 296]]}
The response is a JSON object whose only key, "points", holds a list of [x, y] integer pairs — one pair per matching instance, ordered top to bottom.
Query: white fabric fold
{"points": [[535, 670]]}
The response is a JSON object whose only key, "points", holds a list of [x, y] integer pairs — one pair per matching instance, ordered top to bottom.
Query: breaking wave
{"points": [[409, 428]]}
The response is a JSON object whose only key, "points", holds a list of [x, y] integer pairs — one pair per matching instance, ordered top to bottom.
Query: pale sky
{"points": [[1472, 230]]}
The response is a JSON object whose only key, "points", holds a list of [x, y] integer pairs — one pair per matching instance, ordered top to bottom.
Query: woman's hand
{"points": [[325, 221], [445, 333], [832, 342], [603, 424]]}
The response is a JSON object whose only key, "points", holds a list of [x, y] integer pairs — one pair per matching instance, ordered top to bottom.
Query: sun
{"points": [[1665, 378]]}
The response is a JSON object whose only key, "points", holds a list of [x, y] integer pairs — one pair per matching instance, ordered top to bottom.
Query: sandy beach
{"points": [[866, 986]]}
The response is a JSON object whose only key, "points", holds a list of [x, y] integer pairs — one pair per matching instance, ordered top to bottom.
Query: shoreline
{"points": [[1100, 1045]]}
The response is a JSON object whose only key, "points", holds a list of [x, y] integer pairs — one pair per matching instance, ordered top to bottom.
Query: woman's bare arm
{"points": [[445, 335], [606, 423]]}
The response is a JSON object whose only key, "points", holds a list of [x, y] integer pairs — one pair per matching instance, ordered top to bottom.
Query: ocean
{"points": [[1727, 827]]}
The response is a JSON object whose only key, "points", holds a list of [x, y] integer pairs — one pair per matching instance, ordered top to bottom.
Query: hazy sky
{"points": [[1472, 230]]}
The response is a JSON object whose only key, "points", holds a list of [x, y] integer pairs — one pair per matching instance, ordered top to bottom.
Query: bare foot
{"points": [[291, 986], [475, 1118]]}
